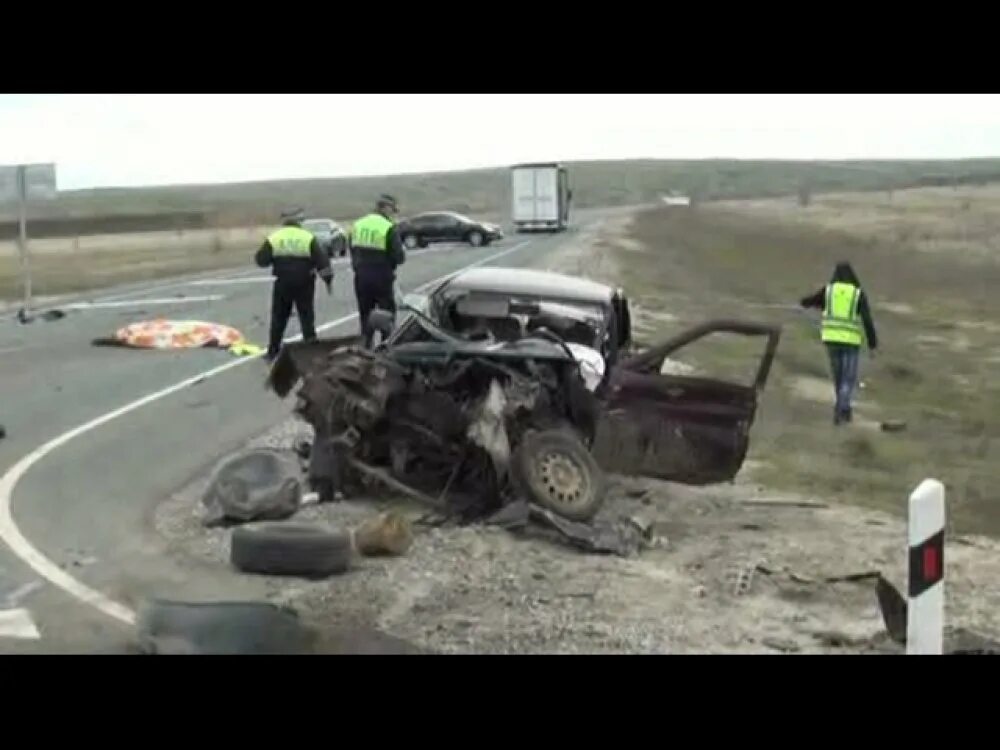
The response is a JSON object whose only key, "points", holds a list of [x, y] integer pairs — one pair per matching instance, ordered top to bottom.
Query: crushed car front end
{"points": [[505, 383]]}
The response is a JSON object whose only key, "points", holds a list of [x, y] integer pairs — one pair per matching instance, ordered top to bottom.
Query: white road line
{"points": [[252, 277], [247, 280], [164, 285], [140, 302], [11, 534], [15, 597], [17, 623]]}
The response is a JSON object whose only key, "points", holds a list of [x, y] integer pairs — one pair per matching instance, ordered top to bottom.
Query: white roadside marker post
{"points": [[925, 621]]}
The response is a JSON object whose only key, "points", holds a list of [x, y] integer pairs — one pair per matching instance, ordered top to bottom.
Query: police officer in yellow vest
{"points": [[376, 252], [295, 258], [847, 322]]}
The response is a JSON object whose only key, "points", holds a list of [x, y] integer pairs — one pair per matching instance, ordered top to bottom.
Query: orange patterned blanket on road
{"points": [[177, 334]]}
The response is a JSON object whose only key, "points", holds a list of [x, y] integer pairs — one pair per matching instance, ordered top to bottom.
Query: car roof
{"points": [[438, 213], [529, 282]]}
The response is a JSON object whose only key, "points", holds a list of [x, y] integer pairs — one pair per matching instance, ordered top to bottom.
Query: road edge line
{"points": [[22, 548]]}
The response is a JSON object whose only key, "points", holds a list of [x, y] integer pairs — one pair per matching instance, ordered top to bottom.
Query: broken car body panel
{"points": [[458, 386], [684, 429]]}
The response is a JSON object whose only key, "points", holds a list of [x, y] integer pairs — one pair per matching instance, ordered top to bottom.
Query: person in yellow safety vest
{"points": [[376, 252], [295, 258], [847, 322]]}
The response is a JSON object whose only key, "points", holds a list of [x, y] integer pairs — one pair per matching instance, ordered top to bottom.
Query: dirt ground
{"points": [[485, 590]]}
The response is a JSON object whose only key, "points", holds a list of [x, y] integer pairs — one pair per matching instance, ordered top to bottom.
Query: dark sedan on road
{"points": [[446, 226], [329, 234]]}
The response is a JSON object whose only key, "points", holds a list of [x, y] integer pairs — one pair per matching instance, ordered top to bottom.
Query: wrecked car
{"points": [[512, 383]]}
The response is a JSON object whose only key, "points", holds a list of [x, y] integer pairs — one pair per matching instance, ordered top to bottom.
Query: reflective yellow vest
{"points": [[371, 231], [290, 242], [841, 320]]}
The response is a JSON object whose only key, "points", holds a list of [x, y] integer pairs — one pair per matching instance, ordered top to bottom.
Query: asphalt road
{"points": [[83, 506]]}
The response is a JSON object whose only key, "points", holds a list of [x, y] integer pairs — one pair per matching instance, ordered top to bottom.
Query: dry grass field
{"points": [[88, 257], [928, 259], [67, 265]]}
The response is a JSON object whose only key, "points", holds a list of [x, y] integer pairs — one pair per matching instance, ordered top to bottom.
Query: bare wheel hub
{"points": [[564, 479]]}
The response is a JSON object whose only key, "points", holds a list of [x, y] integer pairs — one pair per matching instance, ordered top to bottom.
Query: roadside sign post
{"points": [[19, 184], [22, 233]]}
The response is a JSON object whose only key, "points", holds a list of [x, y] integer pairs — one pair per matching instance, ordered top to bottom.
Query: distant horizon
{"points": [[459, 170]]}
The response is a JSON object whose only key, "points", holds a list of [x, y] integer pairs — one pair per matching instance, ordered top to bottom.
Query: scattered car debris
{"points": [[24, 317], [245, 349], [478, 399], [893, 425], [259, 484], [785, 504], [385, 534], [623, 538], [287, 549], [868, 575], [745, 576], [893, 607], [221, 628], [836, 639], [958, 641], [783, 645]]}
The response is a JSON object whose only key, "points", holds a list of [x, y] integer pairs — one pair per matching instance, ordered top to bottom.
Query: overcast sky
{"points": [[124, 139]]}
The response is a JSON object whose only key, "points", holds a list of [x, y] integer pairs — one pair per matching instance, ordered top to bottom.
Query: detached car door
{"points": [[692, 430]]}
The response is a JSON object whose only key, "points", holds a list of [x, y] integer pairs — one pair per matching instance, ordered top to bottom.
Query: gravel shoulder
{"points": [[485, 590]]}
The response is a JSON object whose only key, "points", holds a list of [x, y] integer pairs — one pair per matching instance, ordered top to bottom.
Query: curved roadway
{"points": [[98, 436]]}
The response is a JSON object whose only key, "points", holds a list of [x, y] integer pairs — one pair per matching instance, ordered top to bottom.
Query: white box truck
{"points": [[540, 197]]}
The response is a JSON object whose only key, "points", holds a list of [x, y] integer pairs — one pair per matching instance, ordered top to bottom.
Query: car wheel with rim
{"points": [[475, 238], [411, 241], [554, 469]]}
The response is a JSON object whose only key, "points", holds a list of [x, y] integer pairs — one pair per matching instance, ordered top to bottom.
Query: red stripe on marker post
{"points": [[931, 566]]}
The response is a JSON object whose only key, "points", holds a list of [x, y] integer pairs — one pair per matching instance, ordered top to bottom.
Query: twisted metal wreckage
{"points": [[514, 429]]}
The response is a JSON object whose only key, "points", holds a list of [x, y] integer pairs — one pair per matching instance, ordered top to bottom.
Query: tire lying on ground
{"points": [[555, 470], [287, 549]]}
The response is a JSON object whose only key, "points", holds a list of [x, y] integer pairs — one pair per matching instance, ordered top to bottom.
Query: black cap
{"points": [[387, 200], [293, 214]]}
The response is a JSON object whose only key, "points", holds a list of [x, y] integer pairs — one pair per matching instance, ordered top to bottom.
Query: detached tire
{"points": [[555, 470], [284, 549]]}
